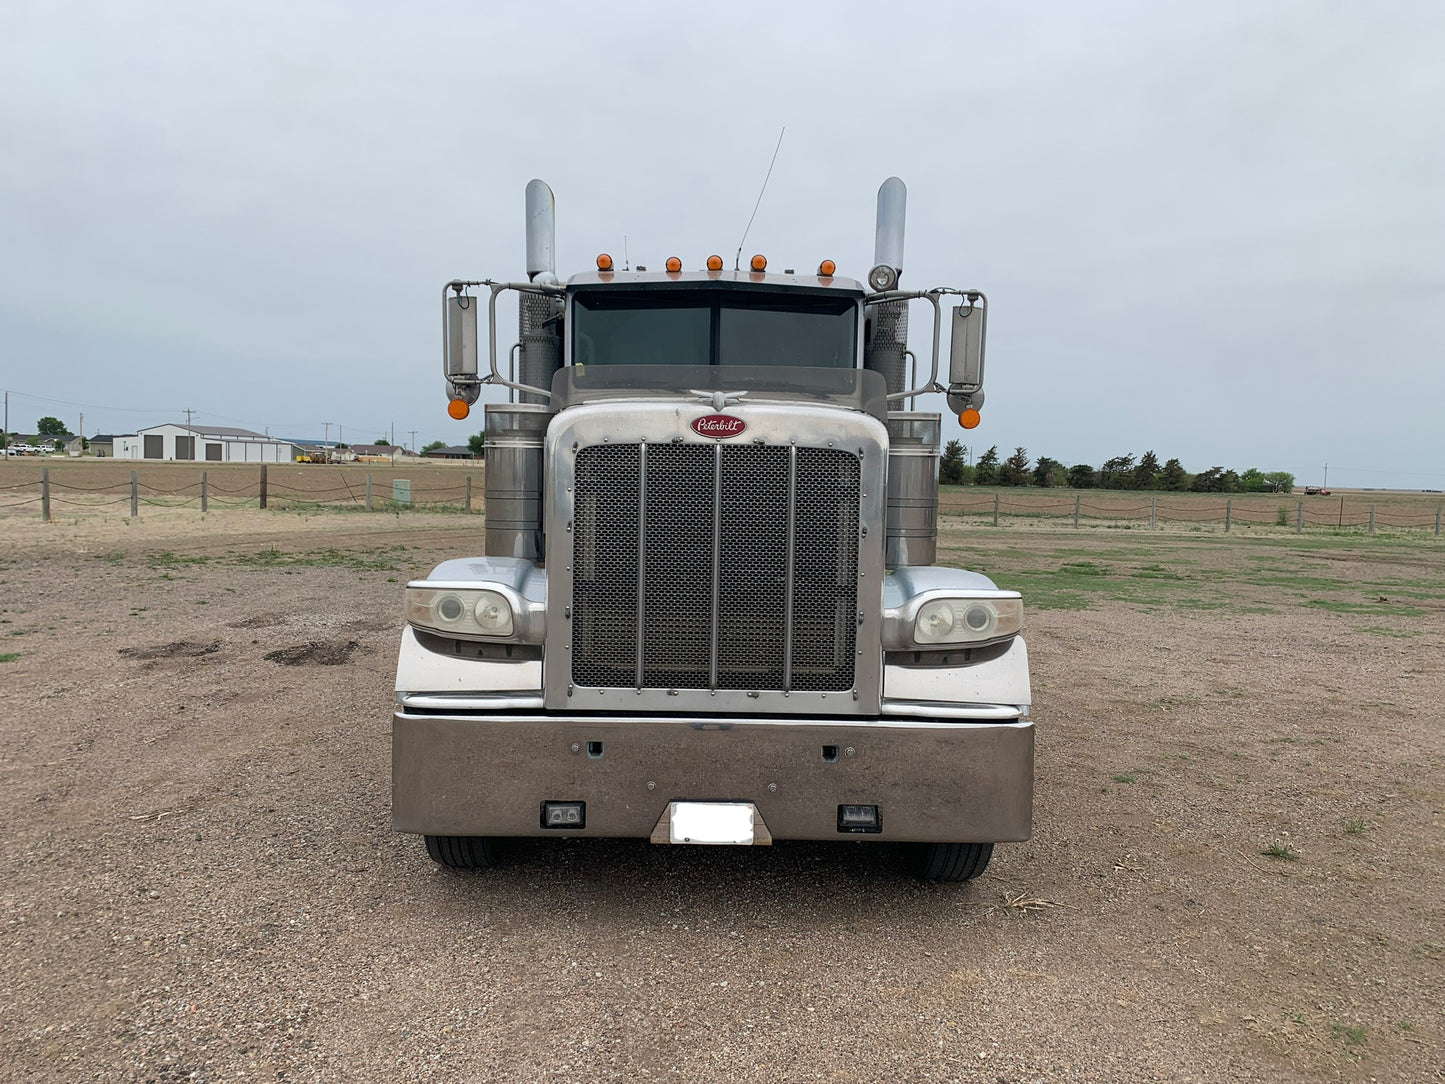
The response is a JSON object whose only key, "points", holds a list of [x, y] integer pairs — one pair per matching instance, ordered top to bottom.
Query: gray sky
{"points": [[1208, 230]]}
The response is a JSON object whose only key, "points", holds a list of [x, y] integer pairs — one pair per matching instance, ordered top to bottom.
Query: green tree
{"points": [[51, 427], [382, 442], [477, 442], [435, 445], [950, 464], [1015, 470], [985, 471], [1049, 472], [1117, 473], [1146, 474], [1081, 476], [1174, 476], [1209, 481], [1252, 481], [1280, 481]]}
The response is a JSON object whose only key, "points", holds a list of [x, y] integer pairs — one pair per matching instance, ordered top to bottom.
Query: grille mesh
{"points": [[688, 503]]}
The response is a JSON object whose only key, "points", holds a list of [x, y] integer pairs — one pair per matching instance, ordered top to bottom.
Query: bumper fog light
{"points": [[564, 814], [859, 818]]}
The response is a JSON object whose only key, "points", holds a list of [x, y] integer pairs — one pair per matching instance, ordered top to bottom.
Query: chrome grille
{"points": [[700, 566]]}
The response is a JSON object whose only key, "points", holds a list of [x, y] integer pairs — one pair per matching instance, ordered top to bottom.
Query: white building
{"points": [[210, 444]]}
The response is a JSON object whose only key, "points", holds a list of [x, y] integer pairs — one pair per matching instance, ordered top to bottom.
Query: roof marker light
{"points": [[604, 262], [759, 262], [714, 263], [673, 264], [826, 268], [458, 409], [970, 418]]}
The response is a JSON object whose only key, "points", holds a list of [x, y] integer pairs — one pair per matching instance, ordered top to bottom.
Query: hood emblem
{"points": [[718, 399], [718, 426]]}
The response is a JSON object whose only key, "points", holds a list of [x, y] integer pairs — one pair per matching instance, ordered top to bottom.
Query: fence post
{"points": [[263, 485], [205, 492], [368, 493], [45, 494], [134, 495], [469, 499], [1077, 499], [1153, 503], [995, 509], [1228, 513], [1299, 519], [1372, 519], [1437, 521]]}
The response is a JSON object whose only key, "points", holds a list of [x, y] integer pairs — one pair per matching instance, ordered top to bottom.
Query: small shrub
{"points": [[1281, 518], [1355, 826], [1282, 851]]}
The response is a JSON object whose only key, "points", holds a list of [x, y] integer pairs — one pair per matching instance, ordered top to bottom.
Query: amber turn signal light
{"points": [[604, 262], [759, 262], [714, 263], [673, 264], [826, 268], [458, 409], [970, 418]]}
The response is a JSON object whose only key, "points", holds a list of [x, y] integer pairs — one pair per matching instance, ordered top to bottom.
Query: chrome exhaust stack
{"points": [[539, 316]]}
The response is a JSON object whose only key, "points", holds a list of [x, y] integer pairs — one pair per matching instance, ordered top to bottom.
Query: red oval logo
{"points": [[718, 425]]}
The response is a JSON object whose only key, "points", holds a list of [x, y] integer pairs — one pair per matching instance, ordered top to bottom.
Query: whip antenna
{"points": [[738, 258]]}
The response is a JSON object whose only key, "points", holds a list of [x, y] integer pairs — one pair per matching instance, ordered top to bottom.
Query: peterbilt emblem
{"points": [[718, 425]]}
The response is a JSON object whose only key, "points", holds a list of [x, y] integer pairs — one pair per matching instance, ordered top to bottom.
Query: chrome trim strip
{"points": [[717, 454], [641, 555], [789, 574], [470, 702], [983, 713]]}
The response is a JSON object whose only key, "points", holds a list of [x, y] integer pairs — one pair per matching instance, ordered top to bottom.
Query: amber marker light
{"points": [[604, 262], [759, 262], [714, 263], [673, 264], [826, 268], [458, 409], [970, 418]]}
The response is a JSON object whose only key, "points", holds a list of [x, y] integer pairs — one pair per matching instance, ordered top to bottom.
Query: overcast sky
{"points": [[1210, 230]]}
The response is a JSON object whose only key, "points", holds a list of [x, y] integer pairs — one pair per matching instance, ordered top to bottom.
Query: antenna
{"points": [[739, 257], [626, 260]]}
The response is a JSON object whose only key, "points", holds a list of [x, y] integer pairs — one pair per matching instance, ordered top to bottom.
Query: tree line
{"points": [[1121, 472]]}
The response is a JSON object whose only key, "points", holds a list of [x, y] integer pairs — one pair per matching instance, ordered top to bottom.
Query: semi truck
{"points": [[708, 609]]}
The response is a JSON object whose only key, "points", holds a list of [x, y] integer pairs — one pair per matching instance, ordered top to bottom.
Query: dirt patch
{"points": [[259, 621], [178, 649], [314, 653]]}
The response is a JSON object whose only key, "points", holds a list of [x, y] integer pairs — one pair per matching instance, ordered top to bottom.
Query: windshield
{"points": [[703, 327]]}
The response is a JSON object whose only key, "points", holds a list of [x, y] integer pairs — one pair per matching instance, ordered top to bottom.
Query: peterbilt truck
{"points": [[708, 610]]}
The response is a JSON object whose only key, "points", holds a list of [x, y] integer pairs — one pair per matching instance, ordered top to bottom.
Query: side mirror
{"points": [[462, 337], [965, 363]]}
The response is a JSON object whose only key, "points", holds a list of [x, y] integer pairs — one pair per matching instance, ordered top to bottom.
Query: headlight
{"points": [[460, 611], [967, 620]]}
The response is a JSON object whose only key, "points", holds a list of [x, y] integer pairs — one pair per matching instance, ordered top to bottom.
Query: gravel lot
{"points": [[199, 881]]}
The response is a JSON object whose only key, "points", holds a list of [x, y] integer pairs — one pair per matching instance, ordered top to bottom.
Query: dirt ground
{"points": [[1236, 872]]}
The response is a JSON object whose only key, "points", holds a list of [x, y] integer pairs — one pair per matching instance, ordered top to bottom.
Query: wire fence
{"points": [[93, 489]]}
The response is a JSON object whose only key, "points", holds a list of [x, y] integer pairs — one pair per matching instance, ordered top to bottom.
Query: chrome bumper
{"points": [[932, 780]]}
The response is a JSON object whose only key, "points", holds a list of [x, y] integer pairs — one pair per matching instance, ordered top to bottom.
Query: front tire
{"points": [[462, 852], [953, 861]]}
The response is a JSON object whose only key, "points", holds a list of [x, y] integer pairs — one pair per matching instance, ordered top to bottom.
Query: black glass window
{"points": [[687, 327]]}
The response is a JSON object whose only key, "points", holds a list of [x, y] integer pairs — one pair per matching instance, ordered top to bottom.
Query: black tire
{"points": [[461, 852], [953, 861]]}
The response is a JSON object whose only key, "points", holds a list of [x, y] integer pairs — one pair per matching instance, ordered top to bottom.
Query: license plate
{"points": [[726, 823]]}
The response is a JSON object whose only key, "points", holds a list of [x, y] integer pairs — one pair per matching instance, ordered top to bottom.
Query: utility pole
{"points": [[188, 418], [81, 434], [5, 435], [326, 435], [413, 440], [339, 441], [392, 444], [1326, 483]]}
